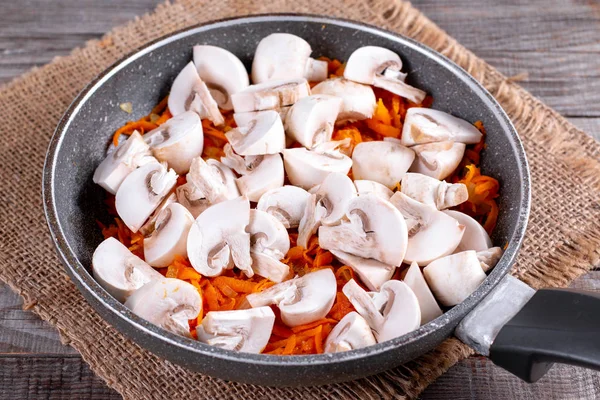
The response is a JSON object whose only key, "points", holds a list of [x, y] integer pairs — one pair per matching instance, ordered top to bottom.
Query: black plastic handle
{"points": [[556, 325]]}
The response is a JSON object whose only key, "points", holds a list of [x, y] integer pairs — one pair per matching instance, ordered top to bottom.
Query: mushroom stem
{"points": [[400, 88]]}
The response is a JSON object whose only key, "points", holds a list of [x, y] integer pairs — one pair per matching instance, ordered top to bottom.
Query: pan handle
{"points": [[555, 325]]}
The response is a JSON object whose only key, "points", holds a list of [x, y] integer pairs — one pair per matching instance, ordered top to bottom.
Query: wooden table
{"points": [[554, 44]]}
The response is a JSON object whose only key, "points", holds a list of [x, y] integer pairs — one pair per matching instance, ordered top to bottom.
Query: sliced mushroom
{"points": [[286, 56], [381, 67], [223, 73], [190, 93], [270, 95], [358, 101], [244, 118], [310, 121], [425, 125], [263, 135], [178, 141], [437, 160], [383, 162], [119, 163], [307, 169], [211, 179], [366, 186], [141, 192], [433, 192], [192, 199], [286, 203], [327, 206], [150, 224], [372, 228], [431, 233], [169, 237], [475, 237], [218, 239], [269, 243], [489, 258], [119, 271], [371, 272], [453, 278], [301, 300], [168, 303], [430, 309], [399, 315], [247, 331], [351, 333]]}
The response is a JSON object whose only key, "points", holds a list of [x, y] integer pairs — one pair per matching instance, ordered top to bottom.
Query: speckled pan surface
{"points": [[73, 202]]}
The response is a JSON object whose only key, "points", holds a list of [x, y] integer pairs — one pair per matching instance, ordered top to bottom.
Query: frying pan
{"points": [[73, 204]]}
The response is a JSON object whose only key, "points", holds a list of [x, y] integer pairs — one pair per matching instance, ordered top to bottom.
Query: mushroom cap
{"points": [[280, 56], [365, 63], [223, 73], [270, 95], [358, 100], [244, 118], [311, 119], [426, 125], [263, 135], [178, 141], [437, 160], [381, 161], [121, 162], [307, 169], [267, 174], [211, 179], [364, 186], [141, 192], [433, 192], [192, 199], [286, 203], [373, 228], [431, 233], [267, 235], [475, 236], [169, 237], [218, 239], [119, 271], [371, 272], [453, 278], [168, 303], [430, 309], [247, 331], [351, 333]]}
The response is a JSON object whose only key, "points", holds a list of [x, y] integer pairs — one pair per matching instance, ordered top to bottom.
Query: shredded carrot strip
{"points": [[141, 125], [237, 285], [289, 346]]}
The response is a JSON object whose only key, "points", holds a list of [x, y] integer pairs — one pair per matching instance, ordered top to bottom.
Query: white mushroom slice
{"points": [[286, 56], [381, 67], [223, 73], [190, 93], [270, 95], [358, 101], [244, 118], [310, 121], [425, 125], [263, 135], [178, 141], [437, 160], [383, 162], [119, 163], [307, 169], [211, 179], [366, 186], [141, 192], [433, 192], [192, 199], [286, 203], [327, 206], [150, 224], [372, 228], [431, 233], [169, 237], [475, 237], [218, 239], [269, 243], [489, 258], [119, 271], [371, 272], [453, 278], [301, 300], [168, 303], [430, 309], [400, 314], [247, 331], [351, 333]]}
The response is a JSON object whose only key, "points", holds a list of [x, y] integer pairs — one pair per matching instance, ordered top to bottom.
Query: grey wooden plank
{"points": [[590, 126]]}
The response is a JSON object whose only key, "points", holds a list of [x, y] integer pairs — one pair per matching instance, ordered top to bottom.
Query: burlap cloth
{"points": [[563, 239]]}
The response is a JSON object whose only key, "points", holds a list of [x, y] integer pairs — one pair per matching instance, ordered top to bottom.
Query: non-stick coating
{"points": [[73, 202]]}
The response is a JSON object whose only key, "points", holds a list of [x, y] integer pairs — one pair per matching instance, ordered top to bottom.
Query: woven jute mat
{"points": [[563, 239]]}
